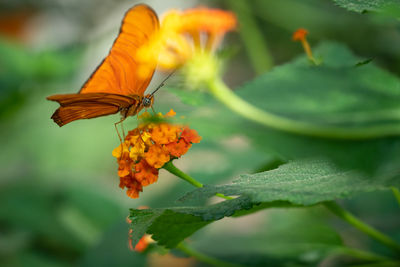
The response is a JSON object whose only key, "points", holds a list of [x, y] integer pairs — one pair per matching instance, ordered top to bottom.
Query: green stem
{"points": [[252, 37], [235, 103], [169, 166], [396, 193], [363, 227], [360, 254], [204, 258], [379, 264]]}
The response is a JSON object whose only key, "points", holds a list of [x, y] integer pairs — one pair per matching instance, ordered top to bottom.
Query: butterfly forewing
{"points": [[118, 72], [100, 98]]}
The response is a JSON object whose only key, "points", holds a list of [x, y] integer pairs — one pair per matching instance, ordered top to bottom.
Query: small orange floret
{"points": [[300, 34], [170, 113], [164, 133], [190, 135], [147, 148], [177, 149], [157, 156], [124, 168], [145, 174], [134, 190]]}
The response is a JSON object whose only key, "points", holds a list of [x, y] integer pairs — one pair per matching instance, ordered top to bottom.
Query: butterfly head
{"points": [[148, 100]]}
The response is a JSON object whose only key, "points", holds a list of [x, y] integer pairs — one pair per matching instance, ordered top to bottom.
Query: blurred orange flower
{"points": [[183, 33], [300, 34], [148, 147], [143, 243]]}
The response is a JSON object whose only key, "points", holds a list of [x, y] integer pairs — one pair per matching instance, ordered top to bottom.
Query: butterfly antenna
{"points": [[162, 83]]}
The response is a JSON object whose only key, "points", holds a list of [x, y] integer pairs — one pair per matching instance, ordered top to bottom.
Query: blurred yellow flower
{"points": [[183, 34]]}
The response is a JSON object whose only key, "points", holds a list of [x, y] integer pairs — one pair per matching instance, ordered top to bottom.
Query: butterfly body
{"points": [[115, 86]]}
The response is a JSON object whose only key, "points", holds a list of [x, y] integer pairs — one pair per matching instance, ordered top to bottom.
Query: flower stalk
{"points": [[300, 35], [252, 37], [225, 95], [170, 167], [363, 227], [360, 254]]}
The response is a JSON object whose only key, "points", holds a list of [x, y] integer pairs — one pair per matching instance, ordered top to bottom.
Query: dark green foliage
{"points": [[367, 5], [334, 94], [304, 182], [299, 183], [181, 222]]}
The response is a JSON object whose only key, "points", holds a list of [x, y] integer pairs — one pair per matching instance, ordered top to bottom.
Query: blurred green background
{"points": [[60, 204]]}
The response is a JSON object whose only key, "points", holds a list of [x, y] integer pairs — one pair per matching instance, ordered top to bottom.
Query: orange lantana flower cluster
{"points": [[148, 147]]}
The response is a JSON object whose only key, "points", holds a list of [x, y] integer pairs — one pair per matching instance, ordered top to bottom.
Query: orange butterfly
{"points": [[115, 85]]}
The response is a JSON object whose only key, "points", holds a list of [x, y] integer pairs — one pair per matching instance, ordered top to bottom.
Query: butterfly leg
{"points": [[138, 124], [116, 128], [123, 130]]}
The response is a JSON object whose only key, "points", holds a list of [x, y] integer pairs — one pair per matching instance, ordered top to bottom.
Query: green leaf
{"points": [[367, 5], [332, 54], [364, 62], [334, 94], [304, 182], [300, 183], [170, 226], [278, 244]]}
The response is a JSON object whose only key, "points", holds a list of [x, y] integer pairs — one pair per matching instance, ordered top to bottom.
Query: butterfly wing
{"points": [[117, 73], [114, 85], [86, 106]]}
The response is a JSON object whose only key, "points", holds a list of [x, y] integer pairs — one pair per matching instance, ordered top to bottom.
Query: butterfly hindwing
{"points": [[86, 106]]}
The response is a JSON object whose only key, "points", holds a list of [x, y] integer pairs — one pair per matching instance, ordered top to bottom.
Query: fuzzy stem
{"points": [[252, 36], [307, 50], [225, 95], [169, 166], [360, 225], [360, 254], [204, 258], [379, 264]]}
